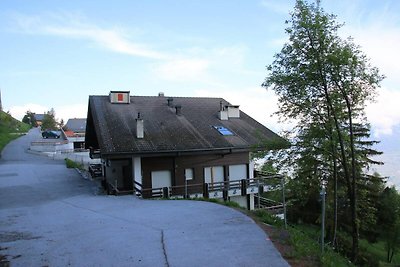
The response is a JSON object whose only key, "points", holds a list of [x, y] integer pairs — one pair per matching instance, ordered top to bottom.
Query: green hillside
{"points": [[10, 129]]}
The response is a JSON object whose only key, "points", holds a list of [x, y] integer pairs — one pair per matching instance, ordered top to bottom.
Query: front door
{"points": [[127, 176]]}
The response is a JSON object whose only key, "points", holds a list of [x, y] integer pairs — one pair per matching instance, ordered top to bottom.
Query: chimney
{"points": [[161, 94], [170, 100], [178, 109], [233, 111], [222, 114], [139, 126]]}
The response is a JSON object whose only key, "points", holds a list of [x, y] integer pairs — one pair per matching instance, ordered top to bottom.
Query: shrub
{"points": [[72, 164]]}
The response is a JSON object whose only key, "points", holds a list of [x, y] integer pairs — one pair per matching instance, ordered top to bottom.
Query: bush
{"points": [[72, 164], [268, 218]]}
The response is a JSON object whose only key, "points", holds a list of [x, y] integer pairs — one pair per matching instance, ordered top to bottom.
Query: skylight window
{"points": [[222, 130]]}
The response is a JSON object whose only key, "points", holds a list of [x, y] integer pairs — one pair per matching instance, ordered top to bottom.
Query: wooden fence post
{"points": [[205, 190]]}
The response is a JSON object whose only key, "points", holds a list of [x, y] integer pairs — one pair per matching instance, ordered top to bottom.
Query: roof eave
{"points": [[225, 150]]}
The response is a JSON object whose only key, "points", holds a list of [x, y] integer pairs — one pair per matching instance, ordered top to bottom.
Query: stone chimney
{"points": [[170, 101], [178, 109], [233, 111], [223, 113], [139, 127]]}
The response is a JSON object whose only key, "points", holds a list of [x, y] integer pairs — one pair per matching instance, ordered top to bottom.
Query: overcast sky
{"points": [[54, 54]]}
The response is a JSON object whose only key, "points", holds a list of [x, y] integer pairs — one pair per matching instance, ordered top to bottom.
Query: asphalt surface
{"points": [[51, 216]]}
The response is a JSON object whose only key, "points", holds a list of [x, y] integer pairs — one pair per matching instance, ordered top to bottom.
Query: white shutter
{"points": [[237, 172], [214, 174], [160, 179]]}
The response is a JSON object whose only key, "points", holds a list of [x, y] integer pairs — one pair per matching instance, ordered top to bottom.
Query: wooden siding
{"points": [[177, 166]]}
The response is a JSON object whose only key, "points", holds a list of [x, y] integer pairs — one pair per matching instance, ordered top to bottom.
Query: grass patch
{"points": [[10, 129], [73, 164], [231, 204], [267, 218], [299, 244], [379, 253]]}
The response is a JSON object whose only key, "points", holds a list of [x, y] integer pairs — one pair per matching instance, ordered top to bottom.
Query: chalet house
{"points": [[39, 119], [75, 130], [179, 146]]}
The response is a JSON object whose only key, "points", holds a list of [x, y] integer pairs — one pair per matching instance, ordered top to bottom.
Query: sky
{"points": [[54, 54]]}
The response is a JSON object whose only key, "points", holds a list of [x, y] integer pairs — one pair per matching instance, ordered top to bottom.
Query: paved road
{"points": [[51, 216]]}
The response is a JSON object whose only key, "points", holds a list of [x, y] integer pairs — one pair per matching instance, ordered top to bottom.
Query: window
{"points": [[222, 130], [189, 174], [214, 174], [160, 179]]}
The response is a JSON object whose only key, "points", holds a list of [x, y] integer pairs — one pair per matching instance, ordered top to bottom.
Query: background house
{"points": [[39, 119], [75, 131], [169, 142]]}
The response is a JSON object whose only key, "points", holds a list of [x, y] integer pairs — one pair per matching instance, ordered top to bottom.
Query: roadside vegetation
{"points": [[323, 83], [10, 129], [73, 164], [298, 244]]}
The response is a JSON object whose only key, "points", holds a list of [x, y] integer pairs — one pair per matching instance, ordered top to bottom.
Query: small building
{"points": [[39, 119], [75, 131], [175, 146]]}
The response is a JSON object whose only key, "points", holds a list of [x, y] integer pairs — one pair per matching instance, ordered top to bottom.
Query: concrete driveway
{"points": [[51, 216]]}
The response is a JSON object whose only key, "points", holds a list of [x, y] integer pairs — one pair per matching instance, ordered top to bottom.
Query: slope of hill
{"points": [[10, 129]]}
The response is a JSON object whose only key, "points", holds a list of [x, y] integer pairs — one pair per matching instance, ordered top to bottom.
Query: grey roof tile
{"points": [[76, 125], [114, 126]]}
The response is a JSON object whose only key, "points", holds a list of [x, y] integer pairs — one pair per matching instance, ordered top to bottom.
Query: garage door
{"points": [[237, 172], [160, 179]]}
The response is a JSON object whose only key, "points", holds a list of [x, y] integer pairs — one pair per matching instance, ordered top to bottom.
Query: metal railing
{"points": [[267, 204]]}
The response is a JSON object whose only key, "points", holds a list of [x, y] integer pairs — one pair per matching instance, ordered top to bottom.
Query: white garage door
{"points": [[237, 172], [214, 174], [160, 179]]}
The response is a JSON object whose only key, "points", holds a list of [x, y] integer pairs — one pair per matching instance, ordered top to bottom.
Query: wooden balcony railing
{"points": [[208, 190]]}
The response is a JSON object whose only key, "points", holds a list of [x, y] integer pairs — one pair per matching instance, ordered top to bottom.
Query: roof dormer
{"points": [[119, 97]]}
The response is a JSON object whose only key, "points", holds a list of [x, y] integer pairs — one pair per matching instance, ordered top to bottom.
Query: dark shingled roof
{"points": [[39, 117], [76, 125], [112, 127]]}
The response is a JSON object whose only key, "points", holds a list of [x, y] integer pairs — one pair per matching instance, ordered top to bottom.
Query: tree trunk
{"points": [[335, 184], [353, 199], [335, 204]]}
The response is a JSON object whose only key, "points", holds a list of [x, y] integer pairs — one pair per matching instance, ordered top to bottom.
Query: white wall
{"points": [[58, 146], [137, 169], [251, 169], [241, 200], [251, 202]]}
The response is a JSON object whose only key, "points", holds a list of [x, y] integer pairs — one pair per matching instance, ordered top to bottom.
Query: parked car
{"points": [[50, 134]]}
